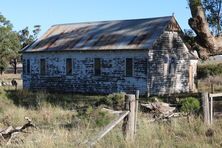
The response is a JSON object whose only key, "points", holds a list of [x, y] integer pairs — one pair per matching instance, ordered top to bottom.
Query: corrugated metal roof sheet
{"points": [[114, 35]]}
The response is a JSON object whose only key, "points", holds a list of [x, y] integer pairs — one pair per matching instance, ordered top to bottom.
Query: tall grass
{"points": [[59, 126]]}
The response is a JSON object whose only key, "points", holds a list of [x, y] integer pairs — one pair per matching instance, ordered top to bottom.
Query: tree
{"points": [[213, 13], [25, 39], [12, 42], [9, 43], [206, 43]]}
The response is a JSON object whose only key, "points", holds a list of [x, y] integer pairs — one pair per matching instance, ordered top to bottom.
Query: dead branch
{"points": [[159, 107], [160, 110], [7, 134]]}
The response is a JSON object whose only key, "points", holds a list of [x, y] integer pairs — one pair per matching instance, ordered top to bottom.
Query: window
{"points": [[166, 65], [172, 65], [24, 66], [28, 66], [68, 66], [97, 66], [42, 67], [129, 67], [145, 67]]}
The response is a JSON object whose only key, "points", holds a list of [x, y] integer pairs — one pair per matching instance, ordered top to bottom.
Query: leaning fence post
{"points": [[205, 105], [129, 121]]}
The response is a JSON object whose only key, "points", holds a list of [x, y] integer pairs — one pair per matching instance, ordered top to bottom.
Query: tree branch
{"points": [[205, 41], [7, 134]]}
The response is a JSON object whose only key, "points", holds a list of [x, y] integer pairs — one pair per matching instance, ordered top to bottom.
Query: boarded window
{"points": [[24, 66], [28, 66], [68, 66], [97, 66], [42, 67], [129, 67]]}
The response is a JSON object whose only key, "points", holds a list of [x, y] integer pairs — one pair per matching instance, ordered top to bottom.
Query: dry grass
{"points": [[8, 77], [205, 85], [59, 127]]}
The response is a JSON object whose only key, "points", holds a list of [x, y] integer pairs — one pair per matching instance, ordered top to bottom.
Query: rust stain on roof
{"points": [[114, 35]]}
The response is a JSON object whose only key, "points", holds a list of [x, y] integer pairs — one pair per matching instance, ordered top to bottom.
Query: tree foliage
{"points": [[213, 13], [26, 37], [9, 42], [207, 43]]}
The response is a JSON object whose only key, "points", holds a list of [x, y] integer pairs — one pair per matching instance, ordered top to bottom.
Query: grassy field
{"points": [[69, 120], [63, 124]]}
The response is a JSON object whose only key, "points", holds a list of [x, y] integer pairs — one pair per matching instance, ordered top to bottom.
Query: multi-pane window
{"points": [[42, 66], [68, 66], [97, 66], [26, 67], [129, 67]]}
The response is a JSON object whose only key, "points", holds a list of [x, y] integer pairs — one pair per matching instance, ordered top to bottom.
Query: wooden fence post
{"points": [[212, 88], [205, 105], [136, 109], [211, 110], [129, 121]]}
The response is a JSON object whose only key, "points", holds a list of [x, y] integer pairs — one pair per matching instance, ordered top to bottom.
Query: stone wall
{"points": [[170, 62], [163, 70], [83, 80]]}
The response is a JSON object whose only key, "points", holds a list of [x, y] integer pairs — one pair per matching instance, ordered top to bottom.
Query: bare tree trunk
{"points": [[206, 43], [14, 65], [1, 71]]}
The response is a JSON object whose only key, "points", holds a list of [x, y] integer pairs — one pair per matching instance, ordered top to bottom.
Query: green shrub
{"points": [[115, 101], [190, 105], [95, 116], [102, 119]]}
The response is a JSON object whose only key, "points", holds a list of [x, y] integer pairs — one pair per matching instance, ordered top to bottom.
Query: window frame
{"points": [[24, 66], [172, 66], [28, 67], [40, 67], [126, 67], [97, 71], [70, 72]]}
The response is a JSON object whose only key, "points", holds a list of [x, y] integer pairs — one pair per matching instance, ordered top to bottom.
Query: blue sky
{"points": [[46, 13]]}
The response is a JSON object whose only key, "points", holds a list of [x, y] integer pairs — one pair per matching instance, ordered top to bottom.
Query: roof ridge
{"points": [[93, 22]]}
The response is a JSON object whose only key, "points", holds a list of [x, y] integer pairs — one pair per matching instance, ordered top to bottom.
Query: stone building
{"points": [[111, 56]]}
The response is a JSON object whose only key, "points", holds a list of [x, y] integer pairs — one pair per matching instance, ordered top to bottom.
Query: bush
{"points": [[115, 100], [190, 105], [96, 117]]}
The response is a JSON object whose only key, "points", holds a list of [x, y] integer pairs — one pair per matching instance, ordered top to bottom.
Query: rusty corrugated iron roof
{"points": [[105, 35]]}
